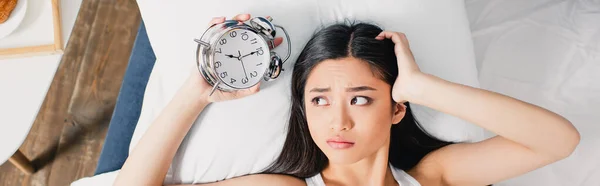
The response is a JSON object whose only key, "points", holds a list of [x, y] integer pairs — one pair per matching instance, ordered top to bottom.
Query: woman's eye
{"points": [[359, 100], [319, 101]]}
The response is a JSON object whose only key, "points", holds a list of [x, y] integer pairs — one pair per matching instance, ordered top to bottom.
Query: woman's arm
{"points": [[533, 127], [529, 137], [149, 162]]}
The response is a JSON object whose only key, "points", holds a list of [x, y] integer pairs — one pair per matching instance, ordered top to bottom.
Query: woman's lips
{"points": [[338, 143]]}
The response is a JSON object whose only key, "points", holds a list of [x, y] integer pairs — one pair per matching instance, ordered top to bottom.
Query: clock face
{"points": [[241, 58]]}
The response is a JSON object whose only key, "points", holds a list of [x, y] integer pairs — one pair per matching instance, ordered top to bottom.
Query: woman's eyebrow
{"points": [[360, 88], [320, 89], [351, 89]]}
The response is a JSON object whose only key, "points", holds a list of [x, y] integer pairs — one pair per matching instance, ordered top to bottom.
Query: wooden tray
{"points": [[44, 49]]}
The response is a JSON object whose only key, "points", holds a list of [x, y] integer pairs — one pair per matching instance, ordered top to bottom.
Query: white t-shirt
{"points": [[401, 177]]}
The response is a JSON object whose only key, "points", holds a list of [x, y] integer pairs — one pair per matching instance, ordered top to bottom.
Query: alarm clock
{"points": [[236, 55]]}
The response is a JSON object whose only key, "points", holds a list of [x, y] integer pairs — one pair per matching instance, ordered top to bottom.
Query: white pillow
{"points": [[244, 136]]}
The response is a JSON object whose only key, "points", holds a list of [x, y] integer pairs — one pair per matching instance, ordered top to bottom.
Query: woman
{"points": [[345, 122], [351, 122]]}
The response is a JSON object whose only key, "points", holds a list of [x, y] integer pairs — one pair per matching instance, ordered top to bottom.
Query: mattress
{"points": [[545, 52]]}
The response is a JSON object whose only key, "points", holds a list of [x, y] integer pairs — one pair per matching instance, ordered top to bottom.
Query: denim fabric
{"points": [[129, 104]]}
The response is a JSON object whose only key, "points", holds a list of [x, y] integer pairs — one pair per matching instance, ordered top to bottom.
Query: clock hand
{"points": [[248, 54], [230, 56], [243, 67]]}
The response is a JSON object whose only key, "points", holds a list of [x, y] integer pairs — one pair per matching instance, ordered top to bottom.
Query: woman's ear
{"points": [[399, 112]]}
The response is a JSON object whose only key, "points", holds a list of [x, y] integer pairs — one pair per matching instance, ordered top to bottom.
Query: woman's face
{"points": [[349, 109]]}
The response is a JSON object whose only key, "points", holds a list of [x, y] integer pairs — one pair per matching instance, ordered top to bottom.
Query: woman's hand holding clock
{"points": [[196, 82], [161, 140]]}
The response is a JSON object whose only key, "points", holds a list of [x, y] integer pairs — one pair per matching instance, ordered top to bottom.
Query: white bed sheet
{"points": [[545, 52]]}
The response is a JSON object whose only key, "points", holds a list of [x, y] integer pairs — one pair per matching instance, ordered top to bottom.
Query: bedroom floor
{"points": [[66, 138]]}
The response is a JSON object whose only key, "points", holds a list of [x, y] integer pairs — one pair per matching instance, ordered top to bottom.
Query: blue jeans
{"points": [[129, 104]]}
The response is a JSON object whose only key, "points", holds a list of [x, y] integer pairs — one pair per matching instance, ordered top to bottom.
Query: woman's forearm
{"points": [[534, 127], [151, 157]]}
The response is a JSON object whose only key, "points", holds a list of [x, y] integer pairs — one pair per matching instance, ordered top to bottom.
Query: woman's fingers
{"points": [[239, 17], [242, 17], [216, 20], [396, 37], [278, 41], [401, 43], [407, 67], [254, 89], [249, 91], [243, 93], [224, 96]]}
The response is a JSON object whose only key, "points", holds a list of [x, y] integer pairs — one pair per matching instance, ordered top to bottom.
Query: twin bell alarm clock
{"points": [[236, 55]]}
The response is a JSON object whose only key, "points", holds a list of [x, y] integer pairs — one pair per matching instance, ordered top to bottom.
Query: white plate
{"points": [[15, 19]]}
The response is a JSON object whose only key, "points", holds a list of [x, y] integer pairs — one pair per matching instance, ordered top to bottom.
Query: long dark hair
{"points": [[300, 156]]}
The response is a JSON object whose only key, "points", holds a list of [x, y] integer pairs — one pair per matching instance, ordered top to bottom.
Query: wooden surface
{"points": [[58, 43], [48, 49], [29, 51], [67, 136], [21, 162]]}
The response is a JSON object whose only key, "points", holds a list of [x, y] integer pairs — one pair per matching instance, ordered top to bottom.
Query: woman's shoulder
{"points": [[426, 172]]}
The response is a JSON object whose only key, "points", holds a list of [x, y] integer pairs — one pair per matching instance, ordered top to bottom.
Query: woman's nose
{"points": [[341, 119]]}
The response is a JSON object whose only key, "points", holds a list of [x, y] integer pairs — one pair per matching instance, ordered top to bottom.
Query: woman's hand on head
{"points": [[408, 70], [196, 80]]}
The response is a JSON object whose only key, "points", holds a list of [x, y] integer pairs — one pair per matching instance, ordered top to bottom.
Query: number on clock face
{"points": [[239, 56]]}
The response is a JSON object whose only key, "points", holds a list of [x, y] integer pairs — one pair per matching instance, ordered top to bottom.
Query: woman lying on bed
{"points": [[351, 123]]}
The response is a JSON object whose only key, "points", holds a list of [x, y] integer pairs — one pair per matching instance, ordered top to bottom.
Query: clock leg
{"points": [[201, 42], [214, 88], [21, 162]]}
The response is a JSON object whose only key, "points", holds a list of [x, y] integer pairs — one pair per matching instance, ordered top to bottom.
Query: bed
{"points": [[545, 52]]}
